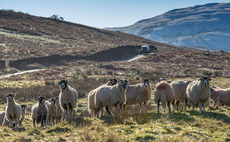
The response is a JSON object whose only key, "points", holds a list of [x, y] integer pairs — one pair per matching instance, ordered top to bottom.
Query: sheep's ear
{"points": [[66, 81]]}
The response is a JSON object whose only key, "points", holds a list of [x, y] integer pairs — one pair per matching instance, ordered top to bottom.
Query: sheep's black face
{"points": [[205, 80], [113, 81], [146, 82], [63, 84], [125, 84], [10, 97], [42, 100], [56, 100], [52, 101], [23, 107]]}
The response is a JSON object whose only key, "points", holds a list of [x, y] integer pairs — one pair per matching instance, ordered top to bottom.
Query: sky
{"points": [[100, 13]]}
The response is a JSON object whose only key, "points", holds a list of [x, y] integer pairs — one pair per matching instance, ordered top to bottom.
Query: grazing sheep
{"points": [[179, 88], [198, 92], [164, 93], [138, 94], [91, 95], [107, 96], [220, 96], [67, 98], [23, 108], [12, 111], [59, 111], [39, 112], [51, 112]]}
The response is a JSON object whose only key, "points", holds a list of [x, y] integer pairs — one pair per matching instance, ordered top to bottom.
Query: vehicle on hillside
{"points": [[145, 49]]}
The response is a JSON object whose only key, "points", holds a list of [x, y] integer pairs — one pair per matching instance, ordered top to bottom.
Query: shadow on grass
{"points": [[212, 115], [176, 117]]}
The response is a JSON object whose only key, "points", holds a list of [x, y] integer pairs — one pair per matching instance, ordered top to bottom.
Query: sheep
{"points": [[179, 88], [198, 92], [164, 93], [138, 94], [91, 95], [107, 96], [221, 96], [67, 98], [12, 111], [59, 111], [39, 112], [51, 112], [23, 113], [2, 119]]}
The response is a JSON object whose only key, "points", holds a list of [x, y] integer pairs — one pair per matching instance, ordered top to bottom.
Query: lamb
{"points": [[179, 88], [198, 92], [164, 93], [138, 94], [91, 95], [107, 96], [221, 96], [67, 98], [12, 111], [59, 111], [39, 112], [51, 112], [23, 113]]}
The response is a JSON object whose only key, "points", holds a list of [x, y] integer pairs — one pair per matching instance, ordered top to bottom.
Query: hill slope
{"points": [[202, 26]]}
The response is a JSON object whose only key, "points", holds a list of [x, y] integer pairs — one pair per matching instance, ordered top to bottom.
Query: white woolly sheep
{"points": [[179, 88], [164, 93], [198, 93], [138, 94], [91, 96], [107, 96], [220, 96], [67, 98], [12, 111], [59, 111], [39, 112], [51, 112], [23, 113]]}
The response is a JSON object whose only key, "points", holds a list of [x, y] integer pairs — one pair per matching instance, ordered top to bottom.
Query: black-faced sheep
{"points": [[179, 88], [198, 92], [139, 93], [164, 93], [107, 96], [220, 96], [67, 98], [91, 103], [23, 109], [12, 111], [39, 112], [51, 112]]}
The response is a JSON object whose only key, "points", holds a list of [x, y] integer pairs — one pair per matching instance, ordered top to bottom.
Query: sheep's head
{"points": [[205, 80], [113, 81], [146, 82], [63, 84], [125, 84], [10, 97], [42, 100], [56, 100], [52, 101], [23, 107]]}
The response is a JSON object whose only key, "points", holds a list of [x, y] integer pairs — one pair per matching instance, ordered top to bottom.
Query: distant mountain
{"points": [[202, 26]]}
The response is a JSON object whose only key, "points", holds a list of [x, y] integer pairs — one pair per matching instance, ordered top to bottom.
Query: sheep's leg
{"points": [[186, 103], [177, 104], [158, 106], [140, 107], [169, 107], [193, 107], [200, 107], [203, 107], [121, 108], [124, 108], [117, 109], [70, 111], [101, 112], [109, 112], [34, 122], [11, 123], [16, 123]]}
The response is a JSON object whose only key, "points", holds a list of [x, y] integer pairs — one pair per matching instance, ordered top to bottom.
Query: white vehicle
{"points": [[145, 49]]}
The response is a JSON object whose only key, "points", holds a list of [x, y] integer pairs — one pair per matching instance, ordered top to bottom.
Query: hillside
{"points": [[201, 26]]}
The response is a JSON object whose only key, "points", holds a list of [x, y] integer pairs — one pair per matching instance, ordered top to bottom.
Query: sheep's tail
{"points": [[163, 98]]}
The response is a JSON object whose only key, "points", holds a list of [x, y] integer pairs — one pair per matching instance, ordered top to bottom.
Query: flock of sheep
{"points": [[116, 94]]}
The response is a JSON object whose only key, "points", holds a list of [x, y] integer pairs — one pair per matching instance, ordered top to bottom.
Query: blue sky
{"points": [[100, 13]]}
